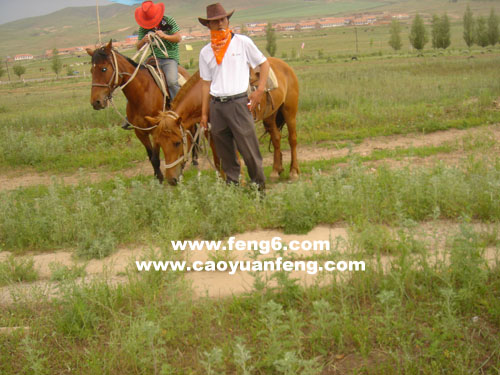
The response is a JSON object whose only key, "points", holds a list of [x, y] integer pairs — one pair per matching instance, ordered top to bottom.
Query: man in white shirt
{"points": [[224, 69]]}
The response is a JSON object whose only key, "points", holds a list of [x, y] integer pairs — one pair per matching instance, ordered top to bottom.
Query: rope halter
{"points": [[115, 76], [184, 133]]}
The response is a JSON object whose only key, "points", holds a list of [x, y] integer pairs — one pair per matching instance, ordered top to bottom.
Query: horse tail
{"points": [[280, 120]]}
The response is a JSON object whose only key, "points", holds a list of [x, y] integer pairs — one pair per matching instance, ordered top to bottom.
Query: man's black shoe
{"points": [[126, 125]]}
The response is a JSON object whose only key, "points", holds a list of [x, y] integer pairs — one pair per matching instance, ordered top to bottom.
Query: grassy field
{"points": [[52, 127], [428, 302]]}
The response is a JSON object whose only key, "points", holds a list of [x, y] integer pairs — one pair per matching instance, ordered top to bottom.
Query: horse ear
{"points": [[109, 45], [90, 51], [151, 120]]}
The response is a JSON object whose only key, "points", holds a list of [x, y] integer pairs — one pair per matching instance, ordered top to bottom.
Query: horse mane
{"points": [[100, 55], [185, 88]]}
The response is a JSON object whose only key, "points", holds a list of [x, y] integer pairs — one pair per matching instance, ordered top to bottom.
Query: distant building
{"points": [[401, 16], [331, 22], [310, 25], [287, 26], [132, 39], [23, 56]]}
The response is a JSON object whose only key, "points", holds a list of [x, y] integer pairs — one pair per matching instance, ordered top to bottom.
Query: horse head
{"points": [[104, 76], [175, 142]]}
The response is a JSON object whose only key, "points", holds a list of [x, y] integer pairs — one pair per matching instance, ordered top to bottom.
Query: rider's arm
{"points": [[174, 38], [143, 41], [205, 97]]}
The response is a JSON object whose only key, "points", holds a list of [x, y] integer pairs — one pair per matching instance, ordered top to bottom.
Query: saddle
{"points": [[160, 80], [272, 81], [271, 84]]}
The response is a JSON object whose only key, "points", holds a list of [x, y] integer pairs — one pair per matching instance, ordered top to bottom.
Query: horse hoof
{"points": [[294, 175], [274, 176]]}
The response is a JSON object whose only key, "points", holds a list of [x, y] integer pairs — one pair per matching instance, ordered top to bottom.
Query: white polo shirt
{"points": [[231, 77]]}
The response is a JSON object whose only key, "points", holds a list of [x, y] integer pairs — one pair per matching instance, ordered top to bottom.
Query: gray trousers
{"points": [[170, 69], [233, 128]]}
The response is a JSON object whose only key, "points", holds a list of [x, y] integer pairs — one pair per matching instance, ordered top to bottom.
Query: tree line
{"points": [[481, 31], [56, 66]]}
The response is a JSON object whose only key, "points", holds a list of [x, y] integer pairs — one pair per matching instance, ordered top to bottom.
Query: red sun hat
{"points": [[149, 15]]}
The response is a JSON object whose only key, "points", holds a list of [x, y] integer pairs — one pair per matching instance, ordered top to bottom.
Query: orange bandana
{"points": [[220, 41]]}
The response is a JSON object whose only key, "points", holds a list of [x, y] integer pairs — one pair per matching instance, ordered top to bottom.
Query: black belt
{"points": [[223, 99]]}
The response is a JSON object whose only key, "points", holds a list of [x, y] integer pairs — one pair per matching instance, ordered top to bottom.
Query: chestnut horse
{"points": [[144, 97], [277, 107]]}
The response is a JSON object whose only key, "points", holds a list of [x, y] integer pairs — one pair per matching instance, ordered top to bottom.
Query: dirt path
{"points": [[24, 178], [221, 284]]}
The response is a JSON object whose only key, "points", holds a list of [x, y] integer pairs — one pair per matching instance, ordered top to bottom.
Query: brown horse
{"points": [[144, 97], [279, 106]]}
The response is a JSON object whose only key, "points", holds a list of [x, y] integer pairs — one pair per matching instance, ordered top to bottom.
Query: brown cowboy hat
{"points": [[215, 12], [149, 15]]}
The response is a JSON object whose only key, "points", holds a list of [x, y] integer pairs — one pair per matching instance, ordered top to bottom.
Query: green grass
{"points": [[55, 129], [61, 216], [14, 270], [425, 314], [418, 317]]}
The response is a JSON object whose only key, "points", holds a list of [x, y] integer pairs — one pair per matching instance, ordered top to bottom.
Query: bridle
{"points": [[116, 77], [186, 152]]}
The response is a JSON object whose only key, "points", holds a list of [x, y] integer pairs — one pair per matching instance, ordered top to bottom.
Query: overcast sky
{"points": [[11, 10]]}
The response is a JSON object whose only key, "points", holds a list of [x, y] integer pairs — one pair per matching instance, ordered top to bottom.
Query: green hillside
{"points": [[78, 25]]}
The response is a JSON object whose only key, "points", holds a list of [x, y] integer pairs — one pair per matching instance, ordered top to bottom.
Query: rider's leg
{"points": [[169, 68]]}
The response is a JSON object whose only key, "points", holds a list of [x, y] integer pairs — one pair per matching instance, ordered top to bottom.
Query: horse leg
{"points": [[289, 114], [272, 128], [153, 152], [194, 153], [217, 164]]}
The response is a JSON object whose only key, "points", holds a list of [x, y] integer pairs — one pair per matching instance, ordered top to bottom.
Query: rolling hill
{"points": [[78, 25]]}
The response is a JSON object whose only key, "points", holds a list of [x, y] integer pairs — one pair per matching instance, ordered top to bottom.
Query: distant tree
{"points": [[435, 26], [468, 27], [244, 29], [445, 31], [493, 32], [418, 33], [395, 35], [481, 35], [441, 37], [271, 45], [293, 54], [321, 54], [284, 55], [56, 62], [19, 70], [2, 71]]}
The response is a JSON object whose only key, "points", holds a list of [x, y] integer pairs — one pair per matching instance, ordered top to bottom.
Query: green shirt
{"points": [[172, 48]]}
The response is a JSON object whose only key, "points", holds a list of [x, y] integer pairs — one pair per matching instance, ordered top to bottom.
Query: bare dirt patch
{"points": [[222, 284]]}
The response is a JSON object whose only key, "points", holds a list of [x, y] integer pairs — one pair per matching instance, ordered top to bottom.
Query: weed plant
{"points": [[54, 128], [96, 218], [419, 316]]}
